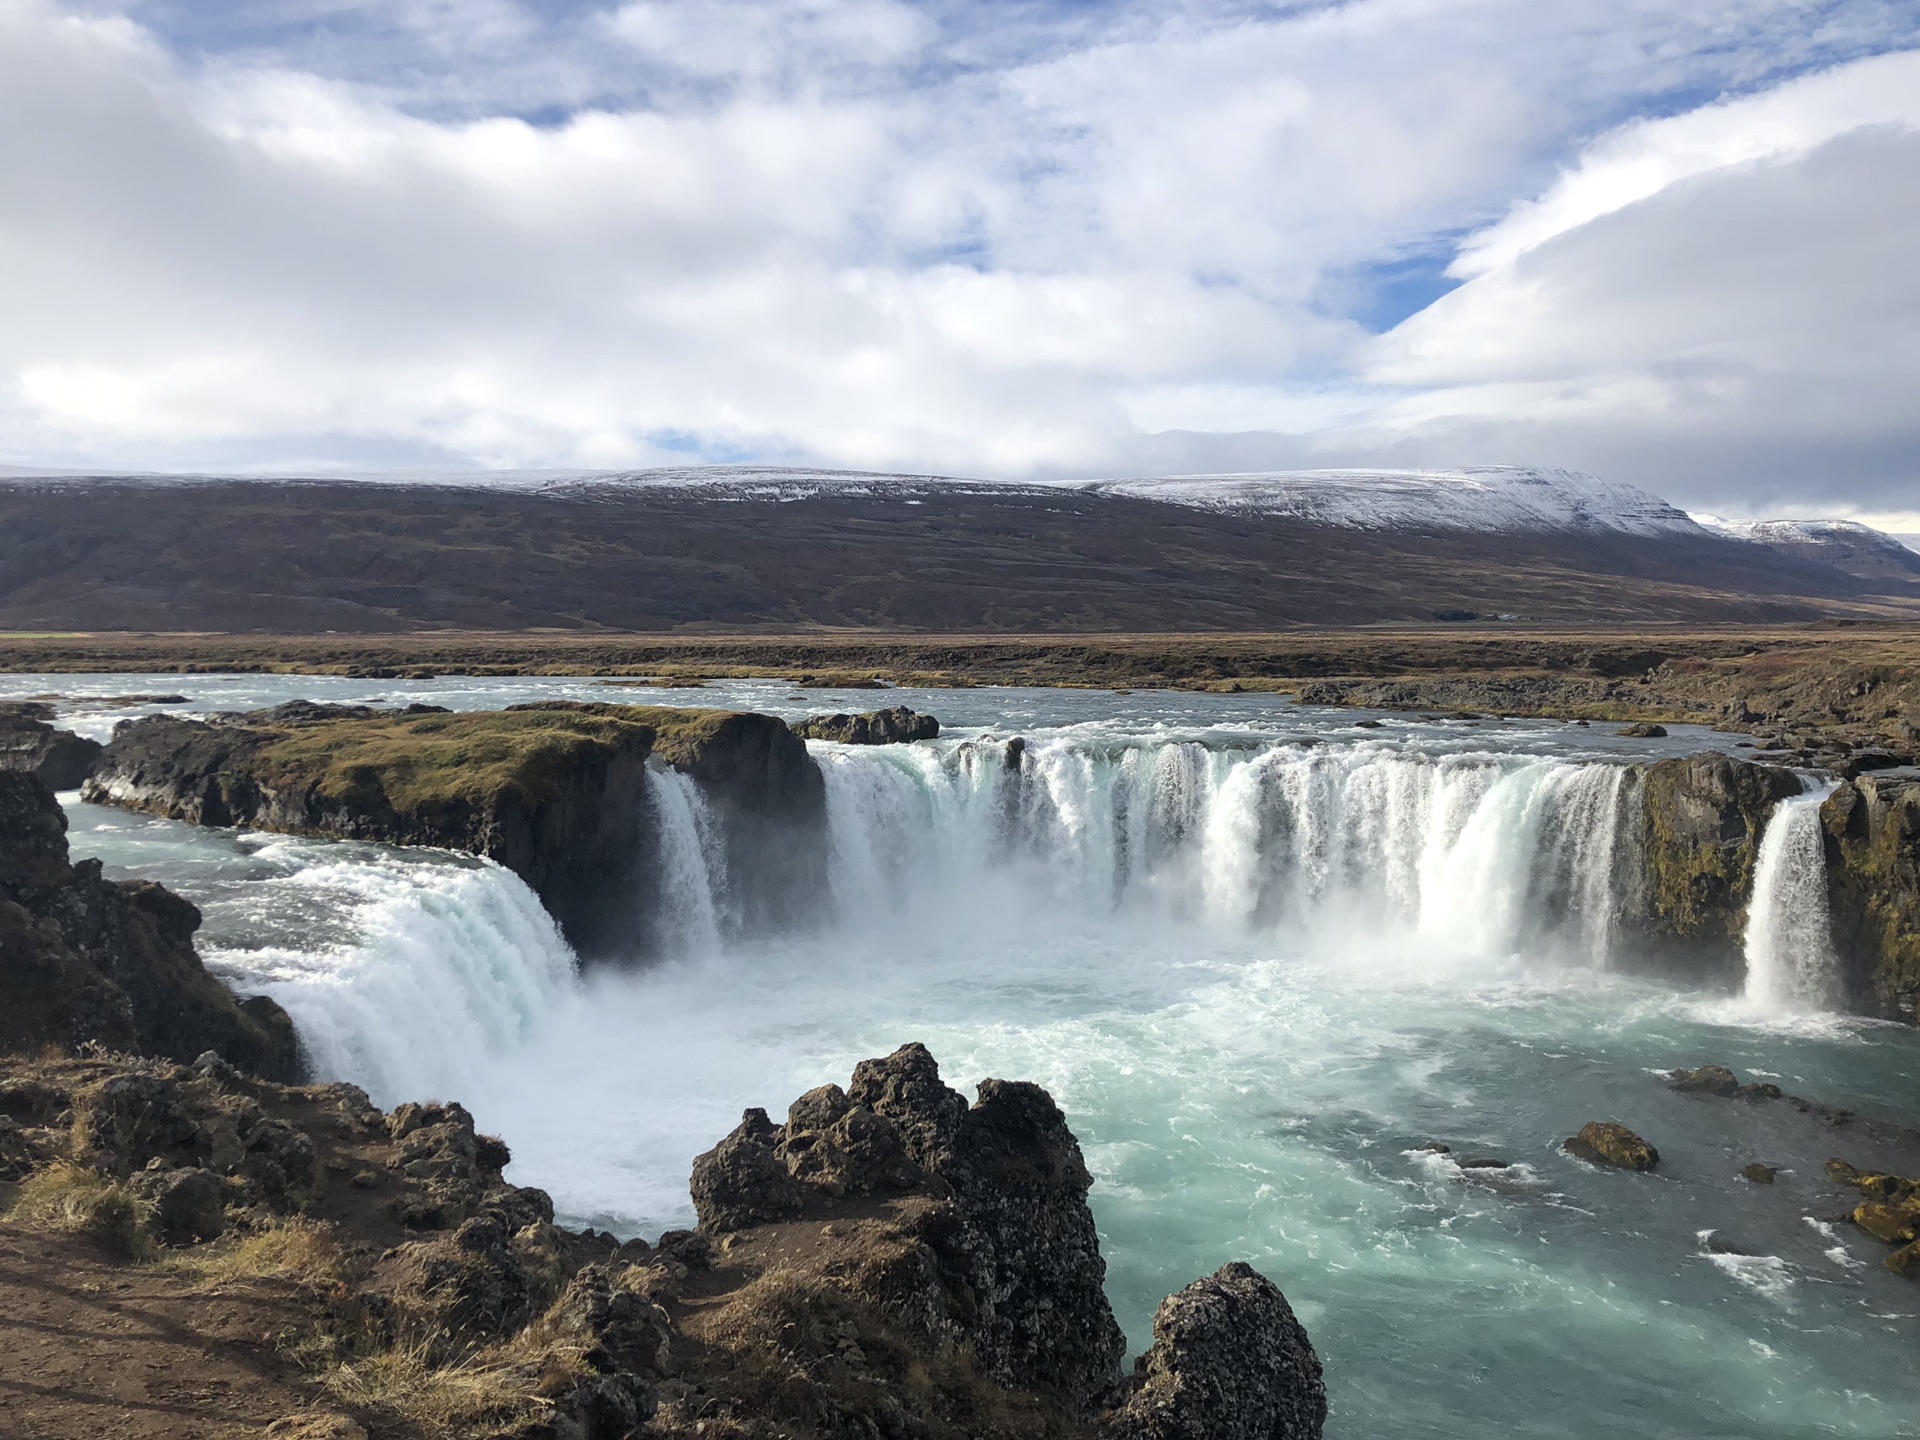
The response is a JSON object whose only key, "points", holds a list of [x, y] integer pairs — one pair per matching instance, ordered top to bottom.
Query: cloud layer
{"points": [[982, 239]]}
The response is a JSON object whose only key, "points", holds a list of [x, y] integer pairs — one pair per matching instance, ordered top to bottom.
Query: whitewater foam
{"points": [[1476, 855], [1791, 965], [450, 966]]}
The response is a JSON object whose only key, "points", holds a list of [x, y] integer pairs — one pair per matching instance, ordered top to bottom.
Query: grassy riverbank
{"points": [[1863, 677]]}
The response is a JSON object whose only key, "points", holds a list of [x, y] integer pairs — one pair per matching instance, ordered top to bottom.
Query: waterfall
{"points": [[1468, 854], [691, 910], [1791, 965], [440, 968], [413, 970]]}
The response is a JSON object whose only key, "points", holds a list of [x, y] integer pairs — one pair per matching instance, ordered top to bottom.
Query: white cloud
{"points": [[1642, 159], [851, 232], [1723, 304]]}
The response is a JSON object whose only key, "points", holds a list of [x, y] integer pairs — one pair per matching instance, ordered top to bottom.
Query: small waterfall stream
{"points": [[692, 910], [1791, 965]]}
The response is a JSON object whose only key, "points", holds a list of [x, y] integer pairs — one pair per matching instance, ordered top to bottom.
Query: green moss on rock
{"points": [[431, 764], [555, 791], [1702, 820], [1872, 828]]}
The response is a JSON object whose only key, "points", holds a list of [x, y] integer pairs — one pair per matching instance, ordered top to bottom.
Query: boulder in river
{"points": [[894, 726], [1644, 730], [1708, 1080], [1719, 1081], [1603, 1142], [1895, 1224]]}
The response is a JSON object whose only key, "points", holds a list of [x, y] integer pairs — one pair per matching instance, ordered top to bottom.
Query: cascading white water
{"points": [[1473, 855], [691, 910], [1791, 965], [447, 967]]}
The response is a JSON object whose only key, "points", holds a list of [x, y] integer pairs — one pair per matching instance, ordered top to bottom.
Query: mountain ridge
{"points": [[754, 547]]}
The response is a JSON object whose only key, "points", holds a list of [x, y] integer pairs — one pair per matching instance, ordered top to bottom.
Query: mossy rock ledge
{"points": [[554, 791], [1701, 819], [1872, 826]]}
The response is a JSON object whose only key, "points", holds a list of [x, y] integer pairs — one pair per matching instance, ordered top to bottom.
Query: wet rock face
{"points": [[896, 726], [59, 759], [1702, 819], [1872, 826], [83, 958], [1721, 1082], [1602, 1142], [1890, 1213], [1017, 1270], [1228, 1362]]}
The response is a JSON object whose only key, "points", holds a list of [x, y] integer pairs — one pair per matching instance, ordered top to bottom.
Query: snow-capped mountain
{"points": [[1492, 499], [1846, 544]]}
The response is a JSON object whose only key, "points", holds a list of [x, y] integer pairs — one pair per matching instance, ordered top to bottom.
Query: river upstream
{"points": [[1260, 954]]}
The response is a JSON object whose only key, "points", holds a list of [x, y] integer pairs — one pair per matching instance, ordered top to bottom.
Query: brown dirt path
{"points": [[91, 1347]]}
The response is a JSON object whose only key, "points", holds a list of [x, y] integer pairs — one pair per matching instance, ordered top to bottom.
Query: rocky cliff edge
{"points": [[554, 791], [85, 959], [890, 1262]]}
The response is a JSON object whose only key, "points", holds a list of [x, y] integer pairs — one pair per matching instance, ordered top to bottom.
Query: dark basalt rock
{"points": [[876, 727], [1644, 730], [58, 758], [556, 791], [1701, 822], [1872, 826], [83, 958], [1708, 1080], [1719, 1081], [1603, 1142], [1758, 1174], [744, 1180], [188, 1206], [1014, 1237], [967, 1305], [1229, 1362]]}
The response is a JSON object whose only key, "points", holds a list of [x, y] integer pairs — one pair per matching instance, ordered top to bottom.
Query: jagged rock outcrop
{"points": [[876, 727], [29, 743], [556, 792], [1701, 822], [1872, 826], [85, 959], [1016, 1270], [940, 1280], [1210, 1375]]}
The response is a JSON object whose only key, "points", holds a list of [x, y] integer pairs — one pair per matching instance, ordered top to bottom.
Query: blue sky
{"points": [[1666, 242]]}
